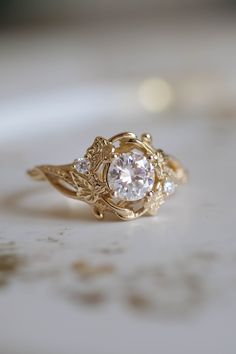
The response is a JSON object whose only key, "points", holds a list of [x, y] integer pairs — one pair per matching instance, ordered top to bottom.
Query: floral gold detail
{"points": [[123, 175]]}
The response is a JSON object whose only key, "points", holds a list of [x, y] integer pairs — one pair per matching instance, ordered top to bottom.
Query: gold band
{"points": [[87, 179]]}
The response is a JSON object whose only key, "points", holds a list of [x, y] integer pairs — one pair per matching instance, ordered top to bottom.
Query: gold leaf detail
{"points": [[100, 151], [161, 163], [53, 173], [89, 189]]}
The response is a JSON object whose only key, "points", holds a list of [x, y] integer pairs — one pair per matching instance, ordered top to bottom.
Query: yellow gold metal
{"points": [[146, 137], [92, 186]]}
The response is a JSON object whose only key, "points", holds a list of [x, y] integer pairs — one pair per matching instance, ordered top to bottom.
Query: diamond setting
{"points": [[82, 165], [131, 176], [169, 187]]}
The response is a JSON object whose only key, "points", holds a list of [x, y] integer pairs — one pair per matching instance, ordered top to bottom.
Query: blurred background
{"points": [[115, 58], [74, 69]]}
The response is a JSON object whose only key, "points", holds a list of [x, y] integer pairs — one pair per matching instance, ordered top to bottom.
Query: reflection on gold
{"points": [[155, 95]]}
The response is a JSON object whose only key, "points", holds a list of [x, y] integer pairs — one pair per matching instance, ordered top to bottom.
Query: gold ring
{"points": [[123, 175]]}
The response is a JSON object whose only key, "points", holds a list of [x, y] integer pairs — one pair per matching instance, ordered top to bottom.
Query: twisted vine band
{"points": [[123, 175]]}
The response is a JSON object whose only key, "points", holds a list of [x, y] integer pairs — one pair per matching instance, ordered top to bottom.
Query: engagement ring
{"points": [[124, 175]]}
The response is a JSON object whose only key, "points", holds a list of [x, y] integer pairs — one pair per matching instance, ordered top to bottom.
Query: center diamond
{"points": [[131, 175]]}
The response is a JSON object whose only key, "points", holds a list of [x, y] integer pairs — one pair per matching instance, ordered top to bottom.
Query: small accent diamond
{"points": [[82, 165], [169, 187]]}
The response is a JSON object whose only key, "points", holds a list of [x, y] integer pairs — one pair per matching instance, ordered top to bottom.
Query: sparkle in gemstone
{"points": [[82, 165], [131, 176], [169, 187]]}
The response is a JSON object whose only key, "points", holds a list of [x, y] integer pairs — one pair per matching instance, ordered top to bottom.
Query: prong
{"points": [[146, 138], [113, 155], [150, 157], [74, 163], [114, 194], [150, 194], [97, 213]]}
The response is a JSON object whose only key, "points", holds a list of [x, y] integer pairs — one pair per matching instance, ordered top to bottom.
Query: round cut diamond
{"points": [[82, 165], [130, 176], [169, 187]]}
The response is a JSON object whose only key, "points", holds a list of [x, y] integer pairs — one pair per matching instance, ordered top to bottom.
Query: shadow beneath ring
{"points": [[18, 203]]}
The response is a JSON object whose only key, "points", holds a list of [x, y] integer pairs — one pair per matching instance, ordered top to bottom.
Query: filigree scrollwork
{"points": [[146, 176]]}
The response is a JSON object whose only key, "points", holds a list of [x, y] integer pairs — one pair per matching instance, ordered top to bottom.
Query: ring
{"points": [[123, 175]]}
